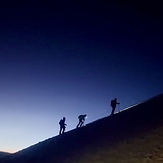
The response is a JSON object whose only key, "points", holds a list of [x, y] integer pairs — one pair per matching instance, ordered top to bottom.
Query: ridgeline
{"points": [[132, 135]]}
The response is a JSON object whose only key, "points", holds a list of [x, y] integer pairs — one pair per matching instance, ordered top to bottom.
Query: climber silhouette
{"points": [[113, 105], [81, 120], [62, 126]]}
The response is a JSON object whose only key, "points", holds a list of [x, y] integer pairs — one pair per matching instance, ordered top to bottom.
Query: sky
{"points": [[66, 58]]}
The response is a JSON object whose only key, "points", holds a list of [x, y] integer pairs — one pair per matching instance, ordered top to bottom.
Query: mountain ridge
{"points": [[105, 134]]}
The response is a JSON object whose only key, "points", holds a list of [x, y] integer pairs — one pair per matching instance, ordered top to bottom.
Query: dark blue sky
{"points": [[70, 58]]}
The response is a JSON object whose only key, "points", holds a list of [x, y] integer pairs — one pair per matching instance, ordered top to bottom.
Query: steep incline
{"points": [[133, 135]]}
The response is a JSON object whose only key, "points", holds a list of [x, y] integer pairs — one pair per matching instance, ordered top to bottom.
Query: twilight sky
{"points": [[66, 59]]}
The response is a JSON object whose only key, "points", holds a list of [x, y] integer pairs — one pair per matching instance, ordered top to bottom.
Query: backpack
{"points": [[112, 102], [60, 122]]}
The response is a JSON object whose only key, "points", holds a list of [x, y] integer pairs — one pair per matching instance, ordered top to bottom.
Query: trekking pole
{"points": [[119, 107]]}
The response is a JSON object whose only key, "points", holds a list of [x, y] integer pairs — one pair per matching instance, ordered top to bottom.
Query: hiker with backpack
{"points": [[113, 105], [81, 120], [62, 126]]}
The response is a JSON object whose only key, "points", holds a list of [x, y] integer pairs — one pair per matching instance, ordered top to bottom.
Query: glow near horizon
{"points": [[31, 128]]}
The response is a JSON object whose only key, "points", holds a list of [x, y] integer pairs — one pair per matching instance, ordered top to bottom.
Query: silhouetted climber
{"points": [[113, 105], [81, 120], [62, 126]]}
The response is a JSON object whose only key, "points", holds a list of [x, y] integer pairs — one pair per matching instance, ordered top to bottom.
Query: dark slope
{"points": [[104, 134], [4, 154]]}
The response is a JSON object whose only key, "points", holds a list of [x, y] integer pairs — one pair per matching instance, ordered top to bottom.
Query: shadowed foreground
{"points": [[134, 135], [4, 154]]}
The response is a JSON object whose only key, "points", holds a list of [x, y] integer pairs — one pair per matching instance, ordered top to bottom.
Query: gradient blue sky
{"points": [[65, 59]]}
